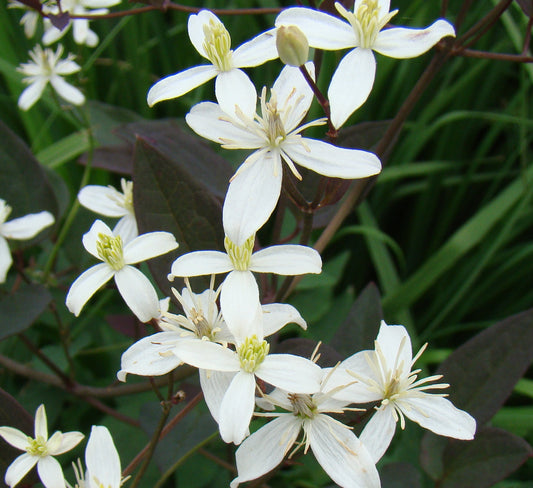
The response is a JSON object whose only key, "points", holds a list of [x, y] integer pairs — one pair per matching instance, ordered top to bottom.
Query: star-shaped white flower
{"points": [[363, 30], [213, 42], [47, 67], [275, 135], [108, 201], [22, 228], [133, 285], [385, 374], [39, 451]]}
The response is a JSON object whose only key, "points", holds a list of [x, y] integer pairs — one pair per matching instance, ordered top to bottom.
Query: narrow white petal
{"points": [[100, 3], [195, 27], [80, 30], [322, 30], [53, 34], [92, 39], [402, 43], [256, 51], [67, 67], [351, 84], [174, 86], [234, 89], [67, 91], [31, 94], [334, 161], [252, 197], [103, 200], [28, 226], [127, 228], [90, 238], [147, 246], [5, 259], [286, 259], [200, 263], [86, 285], [138, 293], [277, 315], [395, 343], [207, 355], [291, 373], [214, 386], [237, 408], [439, 415], [41, 423], [379, 431], [14, 437], [69, 440], [266, 448], [341, 454], [102, 459], [19, 467], [50, 472]]}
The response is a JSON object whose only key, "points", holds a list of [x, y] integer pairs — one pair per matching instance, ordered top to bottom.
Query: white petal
{"points": [[195, 26], [80, 29], [322, 30], [53, 34], [92, 39], [402, 43], [256, 51], [67, 67], [351, 84], [177, 85], [234, 89], [67, 91], [32, 93], [334, 161], [252, 197], [104, 200], [28, 226], [126, 228], [90, 238], [147, 246], [5, 259], [286, 259], [200, 263], [86, 285], [138, 293], [239, 302], [277, 315], [395, 343], [207, 355], [291, 373], [214, 386], [237, 408], [439, 415], [41, 423], [379, 431], [14, 437], [69, 440], [266, 448], [341, 454], [101, 458], [19, 467], [50, 472]]}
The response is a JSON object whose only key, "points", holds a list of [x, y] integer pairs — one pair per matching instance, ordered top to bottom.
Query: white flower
{"points": [[29, 19], [80, 27], [362, 29], [213, 42], [47, 67], [274, 134], [108, 201], [22, 228], [133, 285], [239, 296], [386, 375], [39, 450], [342, 455]]}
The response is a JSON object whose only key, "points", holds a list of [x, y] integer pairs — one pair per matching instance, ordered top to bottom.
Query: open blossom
{"points": [[361, 30], [213, 42], [46, 66], [275, 135], [110, 202], [22, 228], [133, 285], [385, 375], [39, 451]]}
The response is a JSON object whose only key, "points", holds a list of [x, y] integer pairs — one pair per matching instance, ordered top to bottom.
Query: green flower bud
{"points": [[292, 45]]}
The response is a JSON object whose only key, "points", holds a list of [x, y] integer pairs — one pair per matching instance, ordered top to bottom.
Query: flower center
{"points": [[366, 21], [217, 44], [271, 119], [127, 189], [109, 249], [240, 255], [203, 327], [252, 352], [303, 405], [37, 446]]}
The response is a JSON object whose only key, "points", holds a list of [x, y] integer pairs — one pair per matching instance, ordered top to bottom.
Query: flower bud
{"points": [[292, 45]]}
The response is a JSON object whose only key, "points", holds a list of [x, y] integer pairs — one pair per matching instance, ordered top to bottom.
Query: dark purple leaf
{"points": [[526, 6], [60, 21], [305, 347], [399, 475]]}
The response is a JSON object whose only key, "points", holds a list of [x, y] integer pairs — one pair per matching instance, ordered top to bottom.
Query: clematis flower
{"points": [[29, 19], [80, 27], [362, 31], [213, 42], [47, 67], [274, 134], [110, 202], [22, 228], [132, 284], [386, 375], [39, 451], [342, 455]]}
